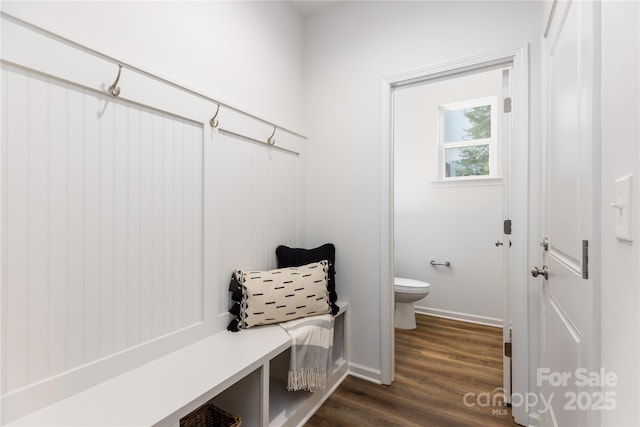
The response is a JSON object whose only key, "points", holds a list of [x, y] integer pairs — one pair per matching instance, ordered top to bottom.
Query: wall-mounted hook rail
{"points": [[131, 67], [114, 89], [214, 122], [257, 141], [446, 263]]}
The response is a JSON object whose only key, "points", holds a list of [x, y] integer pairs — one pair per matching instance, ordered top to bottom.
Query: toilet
{"points": [[407, 292]]}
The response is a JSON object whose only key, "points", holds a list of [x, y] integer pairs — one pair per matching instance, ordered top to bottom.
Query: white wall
{"points": [[349, 47], [247, 53], [456, 222], [620, 293], [69, 330]]}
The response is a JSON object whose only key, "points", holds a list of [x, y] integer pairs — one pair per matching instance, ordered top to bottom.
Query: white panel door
{"points": [[568, 346]]}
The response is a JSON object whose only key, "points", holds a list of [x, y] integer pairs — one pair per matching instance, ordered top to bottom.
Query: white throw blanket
{"points": [[311, 348]]}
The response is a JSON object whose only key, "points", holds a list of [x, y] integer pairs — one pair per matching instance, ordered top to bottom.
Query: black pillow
{"points": [[296, 257]]}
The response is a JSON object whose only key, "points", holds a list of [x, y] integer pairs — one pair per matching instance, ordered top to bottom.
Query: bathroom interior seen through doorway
{"points": [[451, 194]]}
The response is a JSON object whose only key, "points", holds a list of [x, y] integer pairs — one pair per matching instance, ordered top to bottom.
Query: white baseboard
{"points": [[463, 317], [365, 373]]}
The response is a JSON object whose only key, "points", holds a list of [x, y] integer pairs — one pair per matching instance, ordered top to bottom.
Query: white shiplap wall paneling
{"points": [[260, 193], [259, 209], [122, 218], [103, 228]]}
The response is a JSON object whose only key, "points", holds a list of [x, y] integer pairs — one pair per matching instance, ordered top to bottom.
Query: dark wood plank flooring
{"points": [[436, 365]]}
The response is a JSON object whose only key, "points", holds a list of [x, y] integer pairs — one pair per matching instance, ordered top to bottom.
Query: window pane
{"points": [[467, 124], [467, 161]]}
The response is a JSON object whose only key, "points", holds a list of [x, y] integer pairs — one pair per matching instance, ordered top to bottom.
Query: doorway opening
{"points": [[451, 142], [458, 165], [449, 204]]}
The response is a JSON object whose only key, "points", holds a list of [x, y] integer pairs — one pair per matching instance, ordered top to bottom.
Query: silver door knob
{"points": [[499, 243], [535, 272]]}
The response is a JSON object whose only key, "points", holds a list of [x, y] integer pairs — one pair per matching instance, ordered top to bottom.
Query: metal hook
{"points": [[114, 89], [214, 122], [270, 140]]}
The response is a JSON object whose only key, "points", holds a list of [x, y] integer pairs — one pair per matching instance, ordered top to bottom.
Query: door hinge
{"points": [[507, 105], [545, 244], [585, 259], [507, 349]]}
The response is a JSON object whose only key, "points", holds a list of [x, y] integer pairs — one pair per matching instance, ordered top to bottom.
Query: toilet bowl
{"points": [[407, 292]]}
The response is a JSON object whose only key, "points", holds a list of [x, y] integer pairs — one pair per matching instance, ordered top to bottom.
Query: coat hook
{"points": [[114, 89], [214, 122], [270, 140]]}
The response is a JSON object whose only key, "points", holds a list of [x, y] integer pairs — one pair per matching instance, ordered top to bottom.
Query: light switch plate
{"points": [[622, 204]]}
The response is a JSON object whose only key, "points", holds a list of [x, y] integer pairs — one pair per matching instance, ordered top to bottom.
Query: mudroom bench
{"points": [[244, 373]]}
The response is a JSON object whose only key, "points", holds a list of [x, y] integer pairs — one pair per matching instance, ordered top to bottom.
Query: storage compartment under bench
{"points": [[242, 373]]}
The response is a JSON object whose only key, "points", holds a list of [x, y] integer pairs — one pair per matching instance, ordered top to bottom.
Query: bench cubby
{"points": [[243, 373]]}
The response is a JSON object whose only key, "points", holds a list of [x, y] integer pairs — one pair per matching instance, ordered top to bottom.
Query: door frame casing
{"points": [[517, 58]]}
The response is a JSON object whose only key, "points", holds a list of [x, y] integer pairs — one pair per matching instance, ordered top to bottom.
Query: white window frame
{"points": [[492, 142]]}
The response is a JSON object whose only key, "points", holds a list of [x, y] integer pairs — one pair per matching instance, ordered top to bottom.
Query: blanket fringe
{"points": [[311, 379]]}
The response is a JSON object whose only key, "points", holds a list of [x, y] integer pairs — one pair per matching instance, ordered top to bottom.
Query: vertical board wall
{"points": [[122, 218], [103, 230]]}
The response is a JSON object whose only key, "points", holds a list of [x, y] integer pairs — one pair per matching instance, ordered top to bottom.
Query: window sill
{"points": [[467, 182]]}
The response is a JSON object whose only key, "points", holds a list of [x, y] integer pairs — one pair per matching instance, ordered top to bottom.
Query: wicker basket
{"points": [[209, 415]]}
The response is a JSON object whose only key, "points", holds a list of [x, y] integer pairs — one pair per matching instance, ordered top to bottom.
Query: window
{"points": [[468, 139]]}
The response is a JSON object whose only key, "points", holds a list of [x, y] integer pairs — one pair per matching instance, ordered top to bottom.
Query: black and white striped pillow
{"points": [[293, 257], [284, 294]]}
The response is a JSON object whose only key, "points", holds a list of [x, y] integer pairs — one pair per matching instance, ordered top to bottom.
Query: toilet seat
{"points": [[410, 286]]}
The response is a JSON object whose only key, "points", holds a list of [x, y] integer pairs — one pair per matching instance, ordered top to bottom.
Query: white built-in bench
{"points": [[244, 372]]}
